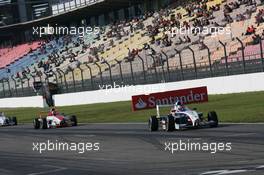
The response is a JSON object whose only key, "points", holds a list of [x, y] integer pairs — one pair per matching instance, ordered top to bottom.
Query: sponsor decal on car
{"points": [[186, 96]]}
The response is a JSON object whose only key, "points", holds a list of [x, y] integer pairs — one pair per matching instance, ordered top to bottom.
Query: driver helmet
{"points": [[178, 103], [178, 106], [53, 111]]}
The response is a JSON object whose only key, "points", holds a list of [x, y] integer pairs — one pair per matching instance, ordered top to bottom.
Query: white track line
{"points": [[145, 123], [242, 134], [260, 167], [49, 171], [213, 172], [221, 172]]}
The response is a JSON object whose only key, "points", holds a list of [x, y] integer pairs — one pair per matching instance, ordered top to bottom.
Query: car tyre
{"points": [[14, 119], [212, 119], [74, 120], [7, 121], [36, 123], [44, 123], [63, 123], [153, 123], [170, 123], [196, 124]]}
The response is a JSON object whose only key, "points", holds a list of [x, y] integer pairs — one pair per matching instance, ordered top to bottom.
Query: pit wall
{"points": [[216, 85]]}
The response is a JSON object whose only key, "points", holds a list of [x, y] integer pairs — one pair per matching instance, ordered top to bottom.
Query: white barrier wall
{"points": [[218, 85], [36, 101]]}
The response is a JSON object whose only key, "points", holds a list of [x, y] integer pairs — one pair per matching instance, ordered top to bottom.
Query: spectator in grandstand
{"points": [[250, 2], [233, 5], [214, 8], [227, 9], [189, 11], [249, 12], [179, 16], [240, 17], [260, 17], [227, 18], [186, 25], [250, 30], [262, 35], [186, 39], [255, 39], [179, 41], [111, 42], [166, 42], [201, 45], [85, 47], [132, 54], [72, 57], [90, 59], [102, 60], [158, 60], [40, 64], [8, 70], [24, 74], [17, 75]]}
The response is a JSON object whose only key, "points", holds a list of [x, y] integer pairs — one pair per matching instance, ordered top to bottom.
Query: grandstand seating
{"points": [[9, 55]]}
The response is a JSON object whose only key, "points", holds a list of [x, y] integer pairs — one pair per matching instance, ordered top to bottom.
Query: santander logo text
{"points": [[186, 96]]}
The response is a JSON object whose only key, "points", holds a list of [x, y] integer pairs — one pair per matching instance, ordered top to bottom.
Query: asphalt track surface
{"points": [[131, 149]]}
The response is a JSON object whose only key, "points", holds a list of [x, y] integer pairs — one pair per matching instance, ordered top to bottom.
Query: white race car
{"points": [[181, 117], [54, 120], [7, 121]]}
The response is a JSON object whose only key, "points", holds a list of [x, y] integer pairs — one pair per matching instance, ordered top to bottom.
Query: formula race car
{"points": [[181, 117], [54, 120], [7, 121]]}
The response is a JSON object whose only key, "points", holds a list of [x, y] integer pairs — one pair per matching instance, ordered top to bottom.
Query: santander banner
{"points": [[186, 96]]}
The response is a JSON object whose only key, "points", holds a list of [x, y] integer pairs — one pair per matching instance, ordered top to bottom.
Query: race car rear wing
{"points": [[161, 106]]}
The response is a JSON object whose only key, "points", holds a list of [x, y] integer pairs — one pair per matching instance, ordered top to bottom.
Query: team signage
{"points": [[186, 96]]}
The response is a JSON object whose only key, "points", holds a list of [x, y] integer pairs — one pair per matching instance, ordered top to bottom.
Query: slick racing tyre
{"points": [[14, 119], [73, 119], [212, 119], [7, 121], [36, 123], [44, 123], [63, 123], [153, 123], [170, 123], [196, 125]]}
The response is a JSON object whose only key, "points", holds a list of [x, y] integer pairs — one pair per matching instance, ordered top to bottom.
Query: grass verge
{"points": [[239, 108]]}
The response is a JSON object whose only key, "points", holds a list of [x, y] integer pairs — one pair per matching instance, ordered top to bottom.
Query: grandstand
{"points": [[135, 44]]}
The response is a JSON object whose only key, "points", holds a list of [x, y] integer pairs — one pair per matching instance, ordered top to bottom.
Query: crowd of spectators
{"points": [[157, 25]]}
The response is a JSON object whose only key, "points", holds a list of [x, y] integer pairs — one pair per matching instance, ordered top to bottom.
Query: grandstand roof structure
{"points": [[75, 14]]}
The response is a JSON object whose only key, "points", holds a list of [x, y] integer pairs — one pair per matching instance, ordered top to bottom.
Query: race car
{"points": [[181, 117], [54, 120], [7, 121]]}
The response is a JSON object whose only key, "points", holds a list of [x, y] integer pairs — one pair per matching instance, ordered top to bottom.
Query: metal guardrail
{"points": [[138, 73]]}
